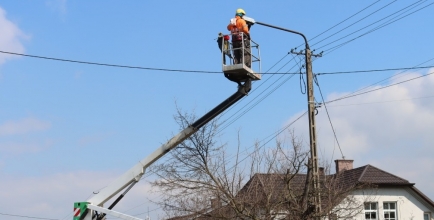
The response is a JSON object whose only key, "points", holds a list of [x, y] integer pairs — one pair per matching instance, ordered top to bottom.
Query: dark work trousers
{"points": [[238, 53]]}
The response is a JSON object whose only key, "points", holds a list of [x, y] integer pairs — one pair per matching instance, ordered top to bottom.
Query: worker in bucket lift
{"points": [[239, 30]]}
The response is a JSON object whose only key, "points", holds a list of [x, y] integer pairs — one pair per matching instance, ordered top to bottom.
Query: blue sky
{"points": [[68, 129]]}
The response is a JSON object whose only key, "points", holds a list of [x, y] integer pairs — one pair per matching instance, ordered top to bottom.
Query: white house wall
{"points": [[409, 206]]}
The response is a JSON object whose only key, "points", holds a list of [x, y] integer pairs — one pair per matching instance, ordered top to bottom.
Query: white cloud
{"points": [[10, 38], [23, 126], [389, 128], [17, 139]]}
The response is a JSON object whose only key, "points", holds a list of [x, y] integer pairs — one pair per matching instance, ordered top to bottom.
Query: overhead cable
{"points": [[345, 20], [341, 22], [354, 23], [371, 24], [374, 29], [109, 65], [121, 66], [375, 70], [205, 71], [400, 74], [384, 87], [256, 88], [257, 102], [382, 102], [328, 115], [267, 140], [26, 216]]}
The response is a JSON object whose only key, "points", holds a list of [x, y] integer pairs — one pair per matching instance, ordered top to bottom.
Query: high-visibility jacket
{"points": [[239, 26]]}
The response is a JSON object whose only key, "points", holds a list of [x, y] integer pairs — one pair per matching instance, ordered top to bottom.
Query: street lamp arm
{"points": [[287, 30]]}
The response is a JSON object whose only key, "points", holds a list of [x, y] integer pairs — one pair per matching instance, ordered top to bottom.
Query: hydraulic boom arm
{"points": [[132, 176]]}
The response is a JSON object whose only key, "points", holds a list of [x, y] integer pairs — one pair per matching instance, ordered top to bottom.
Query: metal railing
{"points": [[232, 54]]}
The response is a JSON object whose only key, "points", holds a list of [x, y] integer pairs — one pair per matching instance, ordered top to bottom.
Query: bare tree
{"points": [[202, 181]]}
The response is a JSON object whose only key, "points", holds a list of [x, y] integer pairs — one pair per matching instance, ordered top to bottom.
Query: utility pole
{"points": [[312, 131], [313, 164]]}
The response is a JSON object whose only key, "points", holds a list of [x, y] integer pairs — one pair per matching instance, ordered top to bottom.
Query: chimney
{"points": [[342, 165]]}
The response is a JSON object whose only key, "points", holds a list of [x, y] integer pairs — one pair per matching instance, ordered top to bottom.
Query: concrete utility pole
{"points": [[311, 108], [312, 130]]}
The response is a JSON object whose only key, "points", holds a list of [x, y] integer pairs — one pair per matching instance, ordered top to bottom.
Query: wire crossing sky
{"points": [[202, 71]]}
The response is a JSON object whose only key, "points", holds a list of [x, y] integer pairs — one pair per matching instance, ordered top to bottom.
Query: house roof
{"points": [[367, 174], [362, 175], [372, 175], [275, 182], [260, 183], [423, 196]]}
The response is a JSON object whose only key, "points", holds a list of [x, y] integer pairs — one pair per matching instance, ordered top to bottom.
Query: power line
{"points": [[345, 20], [342, 22], [354, 23], [371, 24], [374, 29], [109, 65], [121, 66], [155, 69], [375, 70], [206, 71], [394, 76], [256, 88], [345, 97], [257, 102], [381, 102], [325, 105], [328, 115], [270, 137], [147, 211], [26, 216]]}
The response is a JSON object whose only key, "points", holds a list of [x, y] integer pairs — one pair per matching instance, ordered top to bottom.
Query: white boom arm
{"points": [[135, 173]]}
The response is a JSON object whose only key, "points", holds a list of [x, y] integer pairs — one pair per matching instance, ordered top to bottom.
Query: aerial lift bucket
{"points": [[240, 71]]}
